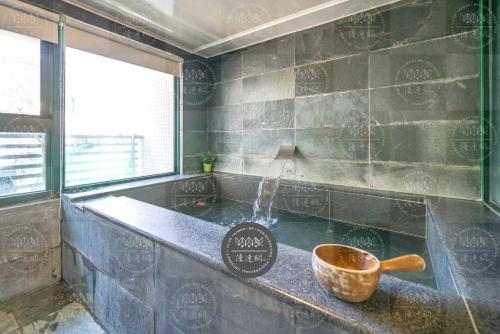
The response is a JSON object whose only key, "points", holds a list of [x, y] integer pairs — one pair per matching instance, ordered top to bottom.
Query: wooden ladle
{"points": [[352, 274]]}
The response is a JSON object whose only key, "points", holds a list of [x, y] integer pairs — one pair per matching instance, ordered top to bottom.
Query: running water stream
{"points": [[266, 193]]}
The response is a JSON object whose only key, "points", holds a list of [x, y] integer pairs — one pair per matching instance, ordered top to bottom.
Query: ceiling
{"points": [[212, 27]]}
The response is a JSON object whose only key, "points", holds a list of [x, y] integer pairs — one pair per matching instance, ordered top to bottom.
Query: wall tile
{"points": [[418, 21], [315, 44], [268, 56], [423, 61], [226, 67], [422, 68], [350, 73], [344, 74], [276, 85], [225, 93], [455, 100], [331, 110], [269, 114], [225, 118], [194, 119], [195, 142], [225, 142], [266, 142], [341, 143], [429, 143], [228, 164], [191, 165], [265, 166], [330, 171], [449, 181], [231, 187], [155, 195], [305, 198], [378, 212], [39, 221], [76, 228], [125, 256], [440, 265], [77, 272], [26, 275], [110, 298], [225, 305], [174, 311]]}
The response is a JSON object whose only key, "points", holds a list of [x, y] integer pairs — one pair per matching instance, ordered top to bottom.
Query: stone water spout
{"points": [[285, 153]]}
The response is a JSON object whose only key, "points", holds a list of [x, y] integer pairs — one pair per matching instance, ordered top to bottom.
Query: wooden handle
{"points": [[405, 263]]}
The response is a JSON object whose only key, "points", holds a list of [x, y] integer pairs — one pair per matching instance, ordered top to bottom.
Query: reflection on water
{"points": [[306, 232]]}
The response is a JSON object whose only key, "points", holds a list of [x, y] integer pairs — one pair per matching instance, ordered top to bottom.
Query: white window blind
{"points": [[24, 19], [79, 35]]}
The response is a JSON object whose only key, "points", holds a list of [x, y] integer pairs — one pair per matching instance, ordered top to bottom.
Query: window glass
{"points": [[20, 69], [119, 121], [22, 134]]}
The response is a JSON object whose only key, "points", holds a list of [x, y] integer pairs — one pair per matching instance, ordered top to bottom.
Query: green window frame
{"points": [[490, 105], [52, 115], [49, 118], [176, 153]]}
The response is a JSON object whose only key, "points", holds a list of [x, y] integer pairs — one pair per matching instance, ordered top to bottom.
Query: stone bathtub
{"points": [[143, 259]]}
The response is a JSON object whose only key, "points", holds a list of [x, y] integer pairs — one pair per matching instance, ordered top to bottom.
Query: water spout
{"points": [[285, 152]]}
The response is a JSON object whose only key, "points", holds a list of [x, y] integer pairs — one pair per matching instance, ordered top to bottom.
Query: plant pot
{"points": [[207, 168]]}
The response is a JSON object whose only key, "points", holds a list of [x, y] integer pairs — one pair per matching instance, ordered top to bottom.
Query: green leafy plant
{"points": [[209, 157]]}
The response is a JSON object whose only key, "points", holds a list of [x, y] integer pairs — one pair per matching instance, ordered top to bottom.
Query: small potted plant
{"points": [[208, 159]]}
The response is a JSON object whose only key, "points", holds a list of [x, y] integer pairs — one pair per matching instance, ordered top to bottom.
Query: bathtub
{"points": [[145, 258]]}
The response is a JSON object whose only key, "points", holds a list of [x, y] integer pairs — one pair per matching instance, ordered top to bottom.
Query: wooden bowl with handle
{"points": [[352, 274]]}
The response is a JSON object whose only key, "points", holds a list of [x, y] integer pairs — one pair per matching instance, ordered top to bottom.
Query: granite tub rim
{"points": [[265, 283]]}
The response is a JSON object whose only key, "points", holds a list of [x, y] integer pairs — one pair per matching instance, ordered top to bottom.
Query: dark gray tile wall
{"points": [[197, 75], [390, 105], [376, 209], [30, 248]]}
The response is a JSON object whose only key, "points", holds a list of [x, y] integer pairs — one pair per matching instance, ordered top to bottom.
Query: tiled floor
{"points": [[51, 310]]}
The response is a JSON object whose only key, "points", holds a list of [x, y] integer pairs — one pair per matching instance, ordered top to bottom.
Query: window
{"points": [[20, 68], [119, 112], [119, 120], [23, 136]]}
